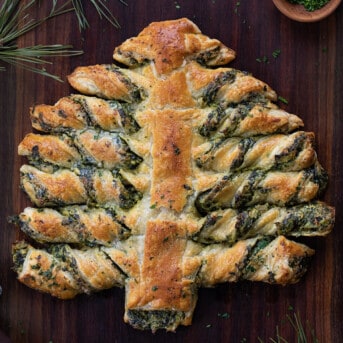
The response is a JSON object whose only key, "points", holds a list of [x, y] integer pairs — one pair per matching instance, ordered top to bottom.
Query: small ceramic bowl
{"points": [[299, 13]]}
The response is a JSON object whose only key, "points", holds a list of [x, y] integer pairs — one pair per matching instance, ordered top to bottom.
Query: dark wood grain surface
{"points": [[308, 73]]}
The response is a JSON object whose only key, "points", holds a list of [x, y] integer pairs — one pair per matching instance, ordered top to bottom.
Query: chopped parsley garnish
{"points": [[310, 5], [285, 101]]}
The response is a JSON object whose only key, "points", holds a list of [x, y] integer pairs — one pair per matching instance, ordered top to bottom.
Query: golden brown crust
{"points": [[168, 43], [200, 77], [102, 80], [244, 84], [233, 85], [172, 92], [77, 112], [65, 113], [108, 115], [268, 121], [100, 147], [55, 149], [285, 152], [171, 154], [66, 187], [44, 188], [106, 189], [75, 224], [47, 225], [229, 226], [125, 256], [282, 258], [279, 261], [222, 265], [95, 269], [40, 271], [65, 272], [165, 282], [160, 285]]}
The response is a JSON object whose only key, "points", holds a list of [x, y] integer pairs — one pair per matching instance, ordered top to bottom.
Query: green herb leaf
{"points": [[310, 5], [276, 53], [263, 59], [285, 101]]}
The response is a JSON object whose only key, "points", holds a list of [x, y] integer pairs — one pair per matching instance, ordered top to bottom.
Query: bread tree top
{"points": [[169, 44]]}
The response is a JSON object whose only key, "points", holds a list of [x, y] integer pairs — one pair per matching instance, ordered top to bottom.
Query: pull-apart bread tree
{"points": [[166, 175]]}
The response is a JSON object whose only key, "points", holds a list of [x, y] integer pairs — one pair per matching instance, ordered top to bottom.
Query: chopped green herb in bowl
{"points": [[310, 5], [307, 10]]}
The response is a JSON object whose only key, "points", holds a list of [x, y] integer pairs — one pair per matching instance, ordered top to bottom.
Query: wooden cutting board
{"points": [[302, 62]]}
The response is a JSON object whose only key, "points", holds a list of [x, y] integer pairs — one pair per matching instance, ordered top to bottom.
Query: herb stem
{"points": [[101, 8], [16, 22]]}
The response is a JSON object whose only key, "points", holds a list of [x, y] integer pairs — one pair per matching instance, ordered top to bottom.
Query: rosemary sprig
{"points": [[100, 7], [14, 23], [30, 56], [300, 330], [301, 334]]}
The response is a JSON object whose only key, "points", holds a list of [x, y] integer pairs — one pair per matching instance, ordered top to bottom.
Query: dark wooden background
{"points": [[308, 73]]}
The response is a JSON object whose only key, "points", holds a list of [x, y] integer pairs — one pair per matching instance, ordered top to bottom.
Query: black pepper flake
{"points": [[177, 150]]}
